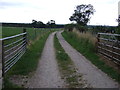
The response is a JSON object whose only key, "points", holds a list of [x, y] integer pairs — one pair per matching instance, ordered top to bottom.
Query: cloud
{"points": [[6, 4], [119, 8], [58, 10]]}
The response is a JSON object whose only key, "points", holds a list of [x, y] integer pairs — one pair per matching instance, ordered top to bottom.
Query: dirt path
{"points": [[47, 74], [95, 77]]}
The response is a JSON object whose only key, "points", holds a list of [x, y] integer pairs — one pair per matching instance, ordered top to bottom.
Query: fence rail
{"points": [[109, 46], [13, 48]]}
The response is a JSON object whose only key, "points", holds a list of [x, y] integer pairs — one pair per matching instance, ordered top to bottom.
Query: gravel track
{"points": [[47, 74], [95, 77]]}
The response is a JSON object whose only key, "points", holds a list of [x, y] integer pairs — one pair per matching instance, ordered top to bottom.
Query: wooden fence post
{"points": [[24, 30], [35, 32], [98, 40], [112, 49]]}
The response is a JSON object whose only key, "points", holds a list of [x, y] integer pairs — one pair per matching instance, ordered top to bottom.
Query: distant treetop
{"points": [[82, 14]]}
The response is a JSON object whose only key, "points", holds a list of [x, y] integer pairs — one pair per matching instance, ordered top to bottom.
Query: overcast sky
{"points": [[23, 11]]}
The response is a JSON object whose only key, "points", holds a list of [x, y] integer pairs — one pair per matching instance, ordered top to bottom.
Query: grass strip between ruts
{"points": [[66, 66]]}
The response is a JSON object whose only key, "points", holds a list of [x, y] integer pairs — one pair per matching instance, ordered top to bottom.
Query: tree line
{"points": [[35, 24]]}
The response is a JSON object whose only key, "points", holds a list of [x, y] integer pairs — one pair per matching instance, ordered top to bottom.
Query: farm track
{"points": [[47, 74], [95, 77]]}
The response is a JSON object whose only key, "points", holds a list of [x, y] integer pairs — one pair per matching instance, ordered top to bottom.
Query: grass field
{"points": [[32, 33], [86, 47]]}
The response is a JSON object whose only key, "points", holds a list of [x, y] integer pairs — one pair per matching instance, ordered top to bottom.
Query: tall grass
{"points": [[92, 39], [85, 44]]}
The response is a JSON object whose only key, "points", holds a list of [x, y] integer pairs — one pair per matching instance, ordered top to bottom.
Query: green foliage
{"points": [[82, 14], [118, 20], [37, 24], [51, 24], [69, 27], [81, 28], [118, 30], [88, 50], [9, 85]]}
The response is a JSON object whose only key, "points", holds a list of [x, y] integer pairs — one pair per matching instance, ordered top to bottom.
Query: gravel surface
{"points": [[47, 74], [95, 77]]}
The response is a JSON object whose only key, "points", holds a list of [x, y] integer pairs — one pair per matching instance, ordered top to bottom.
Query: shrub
{"points": [[69, 27], [81, 28], [118, 30]]}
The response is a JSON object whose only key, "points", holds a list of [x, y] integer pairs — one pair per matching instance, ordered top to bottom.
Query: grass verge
{"points": [[85, 47], [29, 60], [66, 66], [9, 84]]}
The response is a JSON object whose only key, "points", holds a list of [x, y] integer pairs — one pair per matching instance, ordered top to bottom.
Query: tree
{"points": [[82, 14], [118, 20], [34, 23], [51, 23], [37, 24], [40, 24], [69, 27], [118, 29]]}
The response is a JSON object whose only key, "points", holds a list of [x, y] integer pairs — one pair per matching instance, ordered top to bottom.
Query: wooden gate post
{"points": [[24, 30], [35, 33], [98, 40]]}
